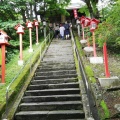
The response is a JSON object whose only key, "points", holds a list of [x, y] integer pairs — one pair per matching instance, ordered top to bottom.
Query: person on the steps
{"points": [[62, 29], [67, 30], [57, 31]]}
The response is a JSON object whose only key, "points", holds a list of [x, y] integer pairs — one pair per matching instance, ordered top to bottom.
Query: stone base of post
{"points": [[83, 41], [37, 43], [30, 50], [88, 51], [96, 60], [20, 62], [110, 82], [1, 84]]}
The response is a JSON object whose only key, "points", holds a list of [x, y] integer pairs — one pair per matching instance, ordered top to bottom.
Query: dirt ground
{"points": [[110, 96]]}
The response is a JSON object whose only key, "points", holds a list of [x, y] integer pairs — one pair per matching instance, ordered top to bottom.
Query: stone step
{"points": [[56, 42], [60, 46], [60, 49], [64, 50], [53, 53], [60, 55], [58, 59], [56, 63], [62, 65], [54, 68], [51, 73], [55, 77], [54, 81], [53, 86], [45, 92], [53, 93], [50, 98], [48, 106], [50, 115]]}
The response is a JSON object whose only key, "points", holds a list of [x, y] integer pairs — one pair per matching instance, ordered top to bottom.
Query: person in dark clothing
{"points": [[67, 30], [57, 31]]}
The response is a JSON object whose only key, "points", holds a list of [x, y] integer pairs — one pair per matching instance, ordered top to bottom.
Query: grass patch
{"points": [[79, 46], [77, 67], [12, 70], [89, 71], [90, 74], [92, 79], [105, 110]]}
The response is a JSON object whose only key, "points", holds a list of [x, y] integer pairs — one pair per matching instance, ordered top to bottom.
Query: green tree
{"points": [[52, 7], [91, 7], [29, 9], [13, 12], [109, 30]]}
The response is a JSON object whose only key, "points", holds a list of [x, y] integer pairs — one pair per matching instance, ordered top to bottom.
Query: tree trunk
{"points": [[90, 4], [94, 4], [89, 8], [35, 10], [31, 11], [27, 13], [23, 15]]}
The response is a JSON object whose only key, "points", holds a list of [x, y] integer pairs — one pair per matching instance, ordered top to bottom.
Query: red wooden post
{"points": [[75, 13], [82, 20], [36, 24], [86, 24], [29, 26], [93, 27], [20, 31], [83, 34], [37, 35], [30, 36], [20, 38], [3, 42], [88, 43], [94, 46], [3, 63], [107, 73]]}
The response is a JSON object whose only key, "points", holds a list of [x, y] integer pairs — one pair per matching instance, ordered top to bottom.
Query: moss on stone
{"points": [[19, 81], [105, 110]]}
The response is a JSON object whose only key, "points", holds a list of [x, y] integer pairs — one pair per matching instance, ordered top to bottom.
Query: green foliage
{"points": [[91, 6], [94, 6], [55, 8], [85, 10], [9, 24], [8, 27], [109, 30], [103, 32], [14, 43], [79, 46], [77, 66], [12, 69], [89, 71], [90, 74], [105, 109]]}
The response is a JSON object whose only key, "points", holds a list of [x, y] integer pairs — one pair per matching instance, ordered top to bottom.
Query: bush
{"points": [[109, 30]]}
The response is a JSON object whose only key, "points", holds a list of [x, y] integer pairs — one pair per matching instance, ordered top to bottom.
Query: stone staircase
{"points": [[54, 92]]}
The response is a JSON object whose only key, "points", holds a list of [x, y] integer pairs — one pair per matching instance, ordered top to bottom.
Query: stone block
{"points": [[96, 60], [20, 62], [109, 82]]}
